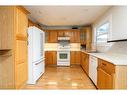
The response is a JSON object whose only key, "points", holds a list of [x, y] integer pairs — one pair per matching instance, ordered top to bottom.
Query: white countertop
{"points": [[115, 58]]}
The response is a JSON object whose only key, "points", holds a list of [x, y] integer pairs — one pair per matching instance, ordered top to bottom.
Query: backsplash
{"points": [[53, 46], [116, 47], [119, 47]]}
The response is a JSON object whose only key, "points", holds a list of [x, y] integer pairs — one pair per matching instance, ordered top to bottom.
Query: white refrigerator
{"points": [[36, 58]]}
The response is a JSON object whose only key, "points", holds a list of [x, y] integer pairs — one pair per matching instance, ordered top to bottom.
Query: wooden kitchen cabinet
{"points": [[21, 23], [6, 28], [61, 33], [51, 36], [75, 36], [86, 37], [50, 57], [75, 57], [16, 61], [85, 62], [105, 72], [21, 73], [110, 76]]}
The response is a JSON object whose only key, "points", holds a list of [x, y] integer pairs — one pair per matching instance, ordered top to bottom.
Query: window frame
{"points": [[102, 21], [102, 43]]}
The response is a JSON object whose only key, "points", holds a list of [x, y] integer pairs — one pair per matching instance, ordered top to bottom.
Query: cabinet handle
{"points": [[104, 64]]}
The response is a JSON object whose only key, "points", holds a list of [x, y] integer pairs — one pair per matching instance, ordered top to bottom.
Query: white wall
{"points": [[117, 16]]}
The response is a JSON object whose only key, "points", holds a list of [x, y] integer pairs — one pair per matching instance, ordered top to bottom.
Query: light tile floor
{"points": [[66, 78]]}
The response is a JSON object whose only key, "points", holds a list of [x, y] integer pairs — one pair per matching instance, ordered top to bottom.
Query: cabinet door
{"points": [[22, 23], [6, 27], [60, 33], [47, 36], [53, 36], [72, 36], [76, 36], [83, 36], [88, 38], [81, 54], [54, 55], [50, 57], [72, 57], [77, 57], [85, 62], [21, 63], [100, 79], [105, 80], [109, 81]]}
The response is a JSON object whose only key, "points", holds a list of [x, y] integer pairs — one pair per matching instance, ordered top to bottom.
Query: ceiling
{"points": [[65, 15]]}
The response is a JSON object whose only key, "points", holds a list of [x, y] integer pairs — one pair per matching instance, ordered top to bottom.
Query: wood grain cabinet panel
{"points": [[22, 23], [6, 27], [16, 30], [61, 33], [51, 36], [75, 36], [86, 37], [50, 57], [75, 57], [85, 62], [21, 72], [106, 73], [105, 80]]}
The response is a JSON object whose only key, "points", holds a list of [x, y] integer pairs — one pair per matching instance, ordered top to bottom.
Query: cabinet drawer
{"points": [[106, 66]]}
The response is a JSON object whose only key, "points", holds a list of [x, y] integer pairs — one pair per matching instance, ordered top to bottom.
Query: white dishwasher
{"points": [[93, 63]]}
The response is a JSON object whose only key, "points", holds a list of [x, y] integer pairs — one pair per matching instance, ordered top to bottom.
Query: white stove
{"points": [[63, 54]]}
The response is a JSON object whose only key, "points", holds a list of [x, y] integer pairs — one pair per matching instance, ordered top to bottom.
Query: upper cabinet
{"points": [[22, 23], [6, 27], [51, 36], [75, 36], [86, 37]]}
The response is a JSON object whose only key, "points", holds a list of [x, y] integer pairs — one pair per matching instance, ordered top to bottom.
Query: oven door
{"points": [[63, 56]]}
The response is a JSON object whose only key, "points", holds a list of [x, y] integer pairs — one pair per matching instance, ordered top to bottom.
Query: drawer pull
{"points": [[104, 64]]}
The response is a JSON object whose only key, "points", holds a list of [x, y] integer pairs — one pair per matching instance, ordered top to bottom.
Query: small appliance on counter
{"points": [[93, 48], [63, 51], [36, 58]]}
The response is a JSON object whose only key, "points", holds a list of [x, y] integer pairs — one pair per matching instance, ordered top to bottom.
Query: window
{"points": [[102, 33]]}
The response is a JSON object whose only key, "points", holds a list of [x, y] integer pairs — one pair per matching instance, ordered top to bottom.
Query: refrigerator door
{"points": [[36, 45], [36, 64], [38, 69]]}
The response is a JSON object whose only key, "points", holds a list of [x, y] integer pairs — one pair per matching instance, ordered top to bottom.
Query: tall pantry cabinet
{"points": [[13, 49]]}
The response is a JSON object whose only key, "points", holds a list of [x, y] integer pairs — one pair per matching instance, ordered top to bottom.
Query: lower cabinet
{"points": [[50, 57], [75, 57], [85, 62], [106, 72], [21, 73], [105, 80]]}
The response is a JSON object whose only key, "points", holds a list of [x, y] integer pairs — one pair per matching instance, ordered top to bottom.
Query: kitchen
{"points": [[83, 51]]}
